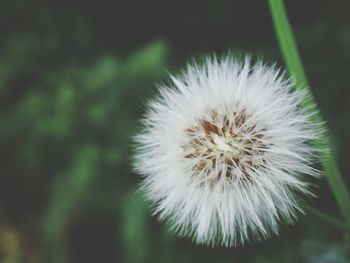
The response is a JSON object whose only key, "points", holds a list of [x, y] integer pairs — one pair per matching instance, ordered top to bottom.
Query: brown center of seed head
{"points": [[223, 146]]}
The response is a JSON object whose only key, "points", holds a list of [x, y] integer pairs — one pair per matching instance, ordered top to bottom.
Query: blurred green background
{"points": [[74, 79]]}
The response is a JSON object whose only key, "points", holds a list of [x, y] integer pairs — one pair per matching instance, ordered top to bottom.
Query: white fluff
{"points": [[224, 150]]}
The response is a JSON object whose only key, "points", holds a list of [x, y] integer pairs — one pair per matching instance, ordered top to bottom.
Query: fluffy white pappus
{"points": [[225, 151]]}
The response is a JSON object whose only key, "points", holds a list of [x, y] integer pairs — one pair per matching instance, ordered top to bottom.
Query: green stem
{"points": [[295, 67], [327, 218]]}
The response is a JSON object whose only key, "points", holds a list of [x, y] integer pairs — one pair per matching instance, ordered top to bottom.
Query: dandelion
{"points": [[226, 151]]}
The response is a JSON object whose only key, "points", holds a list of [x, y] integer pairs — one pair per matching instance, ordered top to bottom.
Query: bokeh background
{"points": [[74, 79]]}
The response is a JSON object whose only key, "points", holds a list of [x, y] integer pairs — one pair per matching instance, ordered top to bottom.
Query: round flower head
{"points": [[224, 151]]}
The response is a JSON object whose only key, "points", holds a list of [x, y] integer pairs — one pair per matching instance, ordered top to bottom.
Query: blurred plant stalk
{"points": [[295, 67]]}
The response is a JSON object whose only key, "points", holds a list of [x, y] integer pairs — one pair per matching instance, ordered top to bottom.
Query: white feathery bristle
{"points": [[224, 151]]}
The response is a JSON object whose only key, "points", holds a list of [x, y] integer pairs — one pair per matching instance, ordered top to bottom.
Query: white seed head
{"points": [[224, 151]]}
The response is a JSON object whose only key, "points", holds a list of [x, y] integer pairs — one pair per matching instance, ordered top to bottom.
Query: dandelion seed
{"points": [[225, 150]]}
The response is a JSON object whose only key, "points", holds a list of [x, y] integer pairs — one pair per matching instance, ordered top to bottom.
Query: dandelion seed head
{"points": [[225, 145], [225, 150]]}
